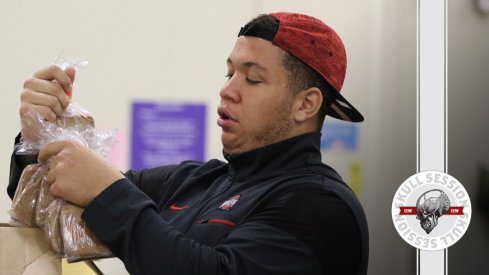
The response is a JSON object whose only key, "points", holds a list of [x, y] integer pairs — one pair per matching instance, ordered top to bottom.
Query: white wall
{"points": [[176, 51]]}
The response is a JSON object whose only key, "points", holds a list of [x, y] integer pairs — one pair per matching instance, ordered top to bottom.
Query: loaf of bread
{"points": [[81, 120], [28, 190], [26, 195], [44, 199], [34, 205], [52, 227], [79, 242]]}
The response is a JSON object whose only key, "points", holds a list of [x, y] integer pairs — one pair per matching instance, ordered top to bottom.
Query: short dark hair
{"points": [[300, 75]]}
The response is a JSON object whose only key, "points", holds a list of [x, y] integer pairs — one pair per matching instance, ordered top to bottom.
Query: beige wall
{"points": [[175, 51]]}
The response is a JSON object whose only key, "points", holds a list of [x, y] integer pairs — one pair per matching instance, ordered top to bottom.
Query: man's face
{"points": [[256, 104]]}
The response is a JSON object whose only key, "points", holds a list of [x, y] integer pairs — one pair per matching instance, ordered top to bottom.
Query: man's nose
{"points": [[230, 90]]}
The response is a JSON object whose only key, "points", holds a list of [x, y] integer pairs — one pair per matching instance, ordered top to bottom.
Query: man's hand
{"points": [[48, 93], [77, 173]]}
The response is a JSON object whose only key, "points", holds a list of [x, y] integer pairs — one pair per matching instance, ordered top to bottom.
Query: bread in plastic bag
{"points": [[75, 116], [33, 124], [75, 124], [44, 199], [25, 200], [36, 203], [60, 220], [52, 227], [79, 242]]}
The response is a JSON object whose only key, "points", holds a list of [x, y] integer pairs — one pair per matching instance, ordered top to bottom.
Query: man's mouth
{"points": [[224, 113], [225, 117]]}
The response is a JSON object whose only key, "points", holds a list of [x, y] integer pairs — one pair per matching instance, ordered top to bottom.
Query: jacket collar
{"points": [[296, 152]]}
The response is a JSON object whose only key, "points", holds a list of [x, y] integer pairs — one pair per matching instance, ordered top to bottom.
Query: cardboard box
{"points": [[25, 251]]}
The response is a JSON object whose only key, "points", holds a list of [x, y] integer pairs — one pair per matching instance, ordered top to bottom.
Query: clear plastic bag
{"points": [[64, 61], [75, 124], [45, 131], [25, 200], [44, 200], [34, 205], [52, 227], [79, 242]]}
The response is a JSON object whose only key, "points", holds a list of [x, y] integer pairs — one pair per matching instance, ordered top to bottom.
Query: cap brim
{"points": [[340, 108]]}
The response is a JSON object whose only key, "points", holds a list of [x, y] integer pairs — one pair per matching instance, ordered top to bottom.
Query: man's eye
{"points": [[228, 75], [252, 82]]}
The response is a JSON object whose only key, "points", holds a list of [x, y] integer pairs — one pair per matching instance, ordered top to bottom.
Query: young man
{"points": [[273, 208]]}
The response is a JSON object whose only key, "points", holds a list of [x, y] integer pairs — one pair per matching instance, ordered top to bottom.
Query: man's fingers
{"points": [[54, 72], [47, 87], [31, 99], [45, 112], [50, 150], [50, 176], [54, 186]]}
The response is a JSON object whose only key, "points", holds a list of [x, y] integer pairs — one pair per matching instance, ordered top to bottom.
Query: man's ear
{"points": [[307, 104]]}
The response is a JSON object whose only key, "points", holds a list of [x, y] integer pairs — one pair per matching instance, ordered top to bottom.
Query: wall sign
{"points": [[166, 133]]}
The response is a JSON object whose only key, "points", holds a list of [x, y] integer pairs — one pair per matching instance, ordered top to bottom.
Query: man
{"points": [[273, 208]]}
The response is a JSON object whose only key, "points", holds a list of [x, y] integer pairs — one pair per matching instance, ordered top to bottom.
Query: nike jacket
{"points": [[273, 210]]}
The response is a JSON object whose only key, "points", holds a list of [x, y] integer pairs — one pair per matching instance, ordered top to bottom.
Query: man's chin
{"points": [[231, 147], [230, 150]]}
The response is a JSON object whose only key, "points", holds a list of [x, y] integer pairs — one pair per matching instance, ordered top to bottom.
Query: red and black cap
{"points": [[315, 44]]}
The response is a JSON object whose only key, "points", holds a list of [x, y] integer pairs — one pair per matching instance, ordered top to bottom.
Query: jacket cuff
{"points": [[114, 213]]}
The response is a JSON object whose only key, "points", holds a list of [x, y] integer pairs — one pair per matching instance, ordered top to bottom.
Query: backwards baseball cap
{"points": [[315, 44]]}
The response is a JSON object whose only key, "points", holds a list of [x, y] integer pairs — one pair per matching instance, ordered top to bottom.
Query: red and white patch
{"points": [[229, 203]]}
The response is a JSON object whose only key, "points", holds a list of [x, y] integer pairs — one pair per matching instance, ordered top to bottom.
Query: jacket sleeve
{"points": [[17, 165], [149, 181], [152, 182], [127, 221]]}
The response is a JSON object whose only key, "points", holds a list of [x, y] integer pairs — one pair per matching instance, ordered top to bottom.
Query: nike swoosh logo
{"points": [[175, 207]]}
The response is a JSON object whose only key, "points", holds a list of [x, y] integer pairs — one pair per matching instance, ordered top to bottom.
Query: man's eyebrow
{"points": [[249, 64]]}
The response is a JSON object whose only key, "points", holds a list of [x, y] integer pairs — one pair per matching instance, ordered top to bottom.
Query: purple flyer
{"points": [[166, 133]]}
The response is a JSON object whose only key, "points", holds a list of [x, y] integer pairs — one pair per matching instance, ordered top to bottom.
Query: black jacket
{"points": [[273, 210]]}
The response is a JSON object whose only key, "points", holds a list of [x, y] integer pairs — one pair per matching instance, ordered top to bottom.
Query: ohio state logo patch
{"points": [[229, 203]]}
